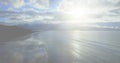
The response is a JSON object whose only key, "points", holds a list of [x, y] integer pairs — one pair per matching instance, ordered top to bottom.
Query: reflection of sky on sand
{"points": [[81, 46], [64, 47], [24, 51]]}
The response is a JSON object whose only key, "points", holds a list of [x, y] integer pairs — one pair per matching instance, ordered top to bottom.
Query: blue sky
{"points": [[80, 11]]}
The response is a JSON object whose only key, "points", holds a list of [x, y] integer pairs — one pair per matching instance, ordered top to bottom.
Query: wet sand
{"points": [[9, 33], [60, 47]]}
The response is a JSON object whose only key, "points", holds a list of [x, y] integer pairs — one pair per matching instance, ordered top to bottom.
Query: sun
{"points": [[78, 13]]}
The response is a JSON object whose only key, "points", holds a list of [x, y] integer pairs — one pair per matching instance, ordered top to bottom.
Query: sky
{"points": [[79, 11]]}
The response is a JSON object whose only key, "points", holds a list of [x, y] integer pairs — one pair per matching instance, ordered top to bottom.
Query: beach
{"points": [[9, 33], [59, 46]]}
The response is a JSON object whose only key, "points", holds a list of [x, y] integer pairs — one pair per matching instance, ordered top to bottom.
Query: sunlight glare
{"points": [[77, 13]]}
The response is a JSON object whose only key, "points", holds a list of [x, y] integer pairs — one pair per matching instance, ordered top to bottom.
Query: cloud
{"points": [[14, 3], [40, 4], [95, 6], [91, 9], [23, 10], [23, 17], [32, 18]]}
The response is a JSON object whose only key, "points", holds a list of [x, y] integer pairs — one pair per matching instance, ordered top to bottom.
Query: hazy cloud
{"points": [[14, 3], [40, 4], [91, 4], [94, 10], [103, 10], [23, 17]]}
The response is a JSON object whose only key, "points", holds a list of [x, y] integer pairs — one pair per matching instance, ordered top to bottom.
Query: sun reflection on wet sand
{"points": [[64, 47]]}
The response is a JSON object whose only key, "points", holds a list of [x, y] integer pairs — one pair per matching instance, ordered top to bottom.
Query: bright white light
{"points": [[82, 10], [78, 13]]}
